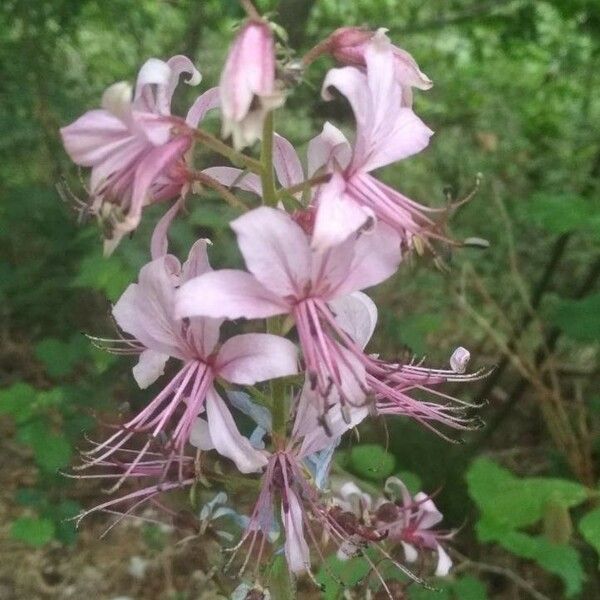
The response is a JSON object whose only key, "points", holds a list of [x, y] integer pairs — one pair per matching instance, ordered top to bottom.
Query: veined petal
{"points": [[178, 65], [153, 72], [205, 102], [94, 137], [331, 145], [286, 162], [232, 177], [338, 214], [159, 243], [275, 249], [376, 257], [197, 261], [227, 294], [145, 310], [356, 314], [252, 357], [150, 366], [200, 435], [227, 439], [296, 549]]}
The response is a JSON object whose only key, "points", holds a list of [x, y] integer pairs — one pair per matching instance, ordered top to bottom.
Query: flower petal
{"points": [[203, 103], [330, 145], [286, 162], [232, 177], [338, 215], [159, 243], [275, 249], [377, 256], [227, 294], [145, 310], [356, 314], [252, 357], [150, 366], [200, 435], [227, 439], [296, 549], [444, 563]]}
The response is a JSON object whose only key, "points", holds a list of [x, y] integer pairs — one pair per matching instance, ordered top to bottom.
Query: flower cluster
{"points": [[314, 240]]}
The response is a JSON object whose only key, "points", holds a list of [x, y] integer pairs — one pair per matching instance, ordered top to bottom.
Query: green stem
{"points": [[237, 158], [266, 158]]}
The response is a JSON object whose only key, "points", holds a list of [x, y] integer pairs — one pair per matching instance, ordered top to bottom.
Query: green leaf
{"points": [[562, 213], [108, 275], [579, 319], [413, 330], [60, 357], [18, 401], [51, 451], [371, 461], [411, 481], [30, 497], [516, 502], [62, 514], [589, 527], [33, 531], [558, 559], [335, 575], [281, 582], [469, 588], [441, 592]]}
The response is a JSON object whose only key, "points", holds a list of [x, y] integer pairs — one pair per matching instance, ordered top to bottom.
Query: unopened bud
{"points": [[460, 359]]}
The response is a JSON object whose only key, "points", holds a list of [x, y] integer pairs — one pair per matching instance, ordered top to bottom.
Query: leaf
{"points": [[562, 213], [108, 275], [579, 319], [413, 330], [60, 357], [17, 401], [51, 451], [371, 461], [411, 481], [29, 497], [518, 502], [62, 514], [589, 527], [32, 531], [558, 559], [335, 575], [281, 582], [469, 588]]}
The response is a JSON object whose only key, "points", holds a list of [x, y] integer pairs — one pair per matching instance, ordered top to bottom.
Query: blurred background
{"points": [[515, 105]]}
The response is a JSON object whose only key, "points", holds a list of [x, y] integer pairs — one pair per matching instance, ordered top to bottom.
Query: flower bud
{"points": [[247, 87], [460, 359]]}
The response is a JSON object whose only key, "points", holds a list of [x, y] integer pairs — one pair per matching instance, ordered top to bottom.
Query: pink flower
{"points": [[349, 45], [247, 87], [386, 132], [135, 146], [289, 276], [146, 312], [334, 321], [285, 487], [411, 522]]}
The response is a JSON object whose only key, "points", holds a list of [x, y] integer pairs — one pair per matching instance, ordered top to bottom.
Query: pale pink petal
{"points": [[178, 65], [153, 72], [351, 82], [205, 102], [405, 135], [93, 137], [331, 145], [157, 161], [286, 162], [232, 177], [338, 214], [159, 243], [276, 250], [376, 257], [197, 261], [227, 294], [145, 310], [356, 314], [204, 334], [252, 357], [150, 366], [200, 435], [227, 440], [429, 515], [296, 549], [410, 552], [444, 563]]}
